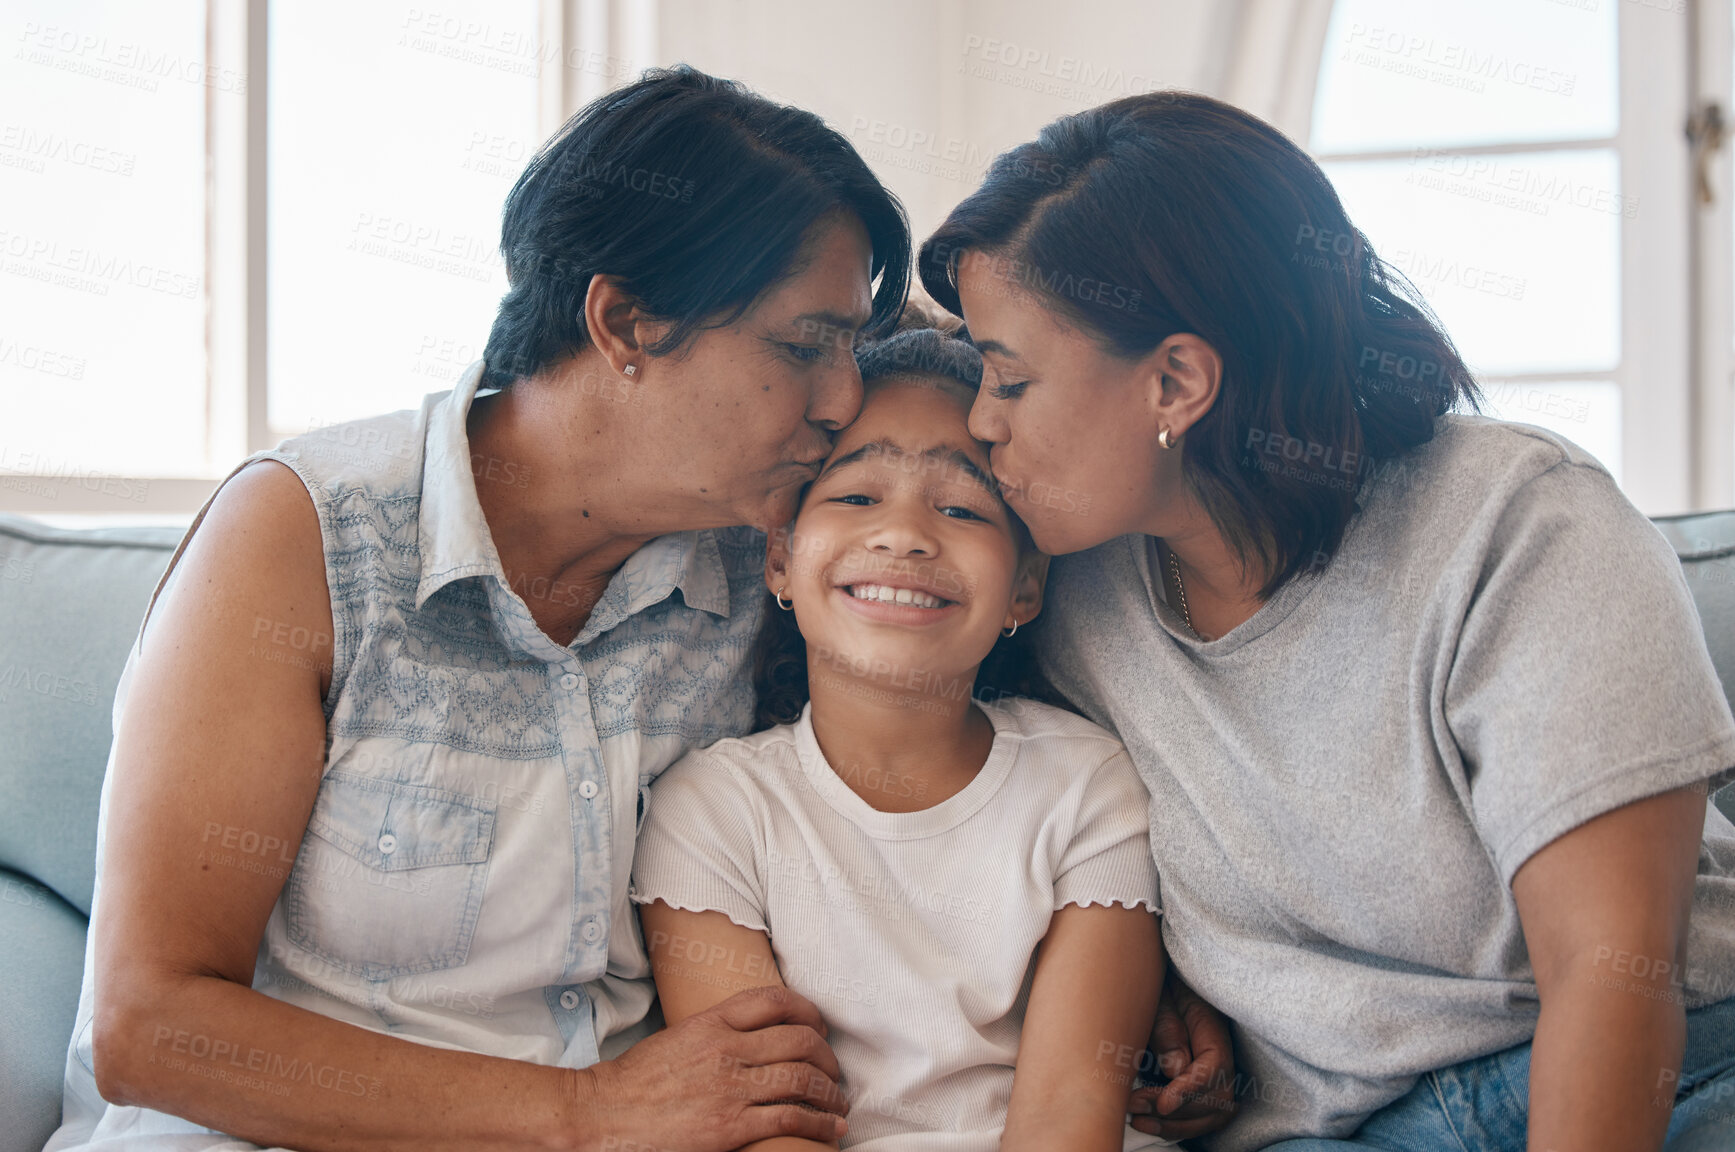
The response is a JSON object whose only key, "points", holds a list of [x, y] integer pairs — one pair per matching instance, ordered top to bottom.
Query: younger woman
{"points": [[1422, 699], [963, 888]]}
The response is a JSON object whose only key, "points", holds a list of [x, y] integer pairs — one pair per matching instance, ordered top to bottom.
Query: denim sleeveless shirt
{"points": [[463, 880]]}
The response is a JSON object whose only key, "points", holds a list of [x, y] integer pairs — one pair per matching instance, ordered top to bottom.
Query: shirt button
{"points": [[569, 681], [587, 789], [388, 844], [590, 931], [569, 999]]}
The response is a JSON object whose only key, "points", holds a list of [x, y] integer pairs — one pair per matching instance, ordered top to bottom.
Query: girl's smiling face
{"points": [[903, 553]]}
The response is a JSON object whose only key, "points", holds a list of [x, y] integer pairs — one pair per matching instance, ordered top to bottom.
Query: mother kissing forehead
{"points": [[1422, 701]]}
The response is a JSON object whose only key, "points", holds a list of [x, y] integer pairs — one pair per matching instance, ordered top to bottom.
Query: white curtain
{"points": [[605, 43], [1270, 53], [886, 72]]}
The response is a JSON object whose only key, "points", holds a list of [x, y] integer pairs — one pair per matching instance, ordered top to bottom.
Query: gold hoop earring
{"points": [[1163, 439], [778, 596], [1009, 633]]}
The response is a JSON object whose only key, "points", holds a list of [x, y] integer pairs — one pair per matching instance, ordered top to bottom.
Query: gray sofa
{"points": [[70, 604]]}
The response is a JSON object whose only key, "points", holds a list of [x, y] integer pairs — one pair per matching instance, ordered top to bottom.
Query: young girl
{"points": [[963, 888]]}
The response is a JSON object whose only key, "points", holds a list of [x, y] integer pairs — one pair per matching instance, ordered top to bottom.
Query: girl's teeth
{"points": [[887, 595]]}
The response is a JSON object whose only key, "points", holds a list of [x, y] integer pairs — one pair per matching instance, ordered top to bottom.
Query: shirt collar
{"points": [[455, 543], [689, 561]]}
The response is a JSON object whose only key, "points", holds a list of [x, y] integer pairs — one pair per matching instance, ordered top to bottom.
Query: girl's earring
{"points": [[630, 370], [1163, 439], [779, 598], [1010, 632]]}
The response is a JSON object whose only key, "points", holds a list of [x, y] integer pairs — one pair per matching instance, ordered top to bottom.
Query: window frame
{"points": [[1711, 240], [1677, 296], [237, 385], [1659, 459]]}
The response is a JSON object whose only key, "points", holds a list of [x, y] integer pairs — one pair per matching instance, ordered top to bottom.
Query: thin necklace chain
{"points": [[1181, 592]]}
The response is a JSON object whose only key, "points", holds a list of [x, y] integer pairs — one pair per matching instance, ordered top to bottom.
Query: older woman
{"points": [[442, 653], [1421, 699]]}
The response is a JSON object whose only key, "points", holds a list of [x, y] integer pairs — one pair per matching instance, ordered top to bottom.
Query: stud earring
{"points": [[631, 370]]}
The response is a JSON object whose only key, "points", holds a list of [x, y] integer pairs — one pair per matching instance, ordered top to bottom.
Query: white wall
{"points": [[931, 92]]}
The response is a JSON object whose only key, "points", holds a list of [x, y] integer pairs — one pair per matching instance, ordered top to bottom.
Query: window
{"points": [[392, 147], [1522, 162], [102, 173], [229, 221]]}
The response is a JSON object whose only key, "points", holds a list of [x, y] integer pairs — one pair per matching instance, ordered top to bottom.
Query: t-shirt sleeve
{"points": [[1580, 680], [698, 849], [1108, 858]]}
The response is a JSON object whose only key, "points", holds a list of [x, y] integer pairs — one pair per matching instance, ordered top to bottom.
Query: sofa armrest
{"points": [[42, 956]]}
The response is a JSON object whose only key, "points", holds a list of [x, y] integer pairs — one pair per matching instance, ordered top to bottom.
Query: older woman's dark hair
{"points": [[696, 193], [1171, 212], [928, 350]]}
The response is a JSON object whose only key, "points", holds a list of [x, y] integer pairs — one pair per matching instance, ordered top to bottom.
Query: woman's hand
{"points": [[1191, 1040], [722, 1078], [751, 1086]]}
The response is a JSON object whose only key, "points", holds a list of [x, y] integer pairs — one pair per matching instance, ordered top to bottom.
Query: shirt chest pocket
{"points": [[390, 877]]}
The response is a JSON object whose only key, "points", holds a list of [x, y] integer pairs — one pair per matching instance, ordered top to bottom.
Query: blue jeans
{"points": [[1481, 1105]]}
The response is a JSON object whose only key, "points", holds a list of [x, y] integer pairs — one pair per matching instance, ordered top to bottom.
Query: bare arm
{"points": [[223, 739], [701, 958], [1092, 1003], [1608, 1043]]}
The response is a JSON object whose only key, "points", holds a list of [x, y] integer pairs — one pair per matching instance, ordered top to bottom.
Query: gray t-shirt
{"points": [[1343, 786]]}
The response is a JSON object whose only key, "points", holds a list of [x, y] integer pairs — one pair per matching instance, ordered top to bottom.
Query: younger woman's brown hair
{"points": [[1171, 212]]}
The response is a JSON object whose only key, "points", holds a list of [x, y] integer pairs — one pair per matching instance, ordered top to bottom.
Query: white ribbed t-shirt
{"points": [[912, 932]]}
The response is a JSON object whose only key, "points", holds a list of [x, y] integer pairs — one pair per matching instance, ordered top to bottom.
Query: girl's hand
{"points": [[1191, 1041]]}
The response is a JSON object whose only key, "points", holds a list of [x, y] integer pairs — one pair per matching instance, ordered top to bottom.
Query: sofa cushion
{"points": [[1705, 542], [70, 606], [42, 956]]}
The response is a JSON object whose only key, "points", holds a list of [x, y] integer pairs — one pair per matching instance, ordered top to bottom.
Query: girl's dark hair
{"points": [[696, 193], [1172, 212], [779, 658]]}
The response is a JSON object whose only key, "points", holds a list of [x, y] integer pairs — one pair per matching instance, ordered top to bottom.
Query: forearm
{"points": [[1092, 1001], [1608, 1042], [233, 1059], [1603, 1063], [1080, 1109], [1080, 1113], [1076, 1128], [788, 1144]]}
